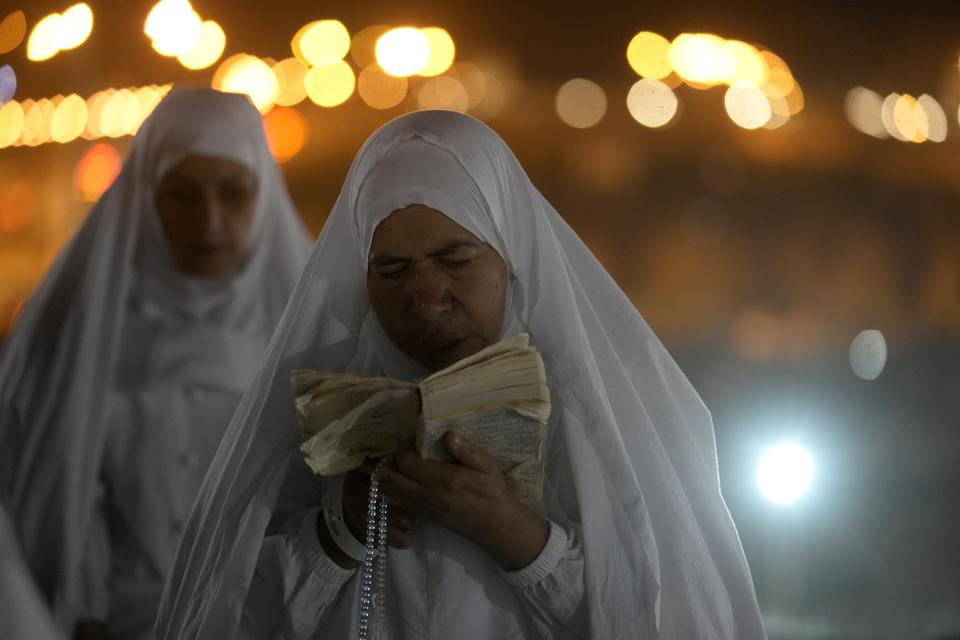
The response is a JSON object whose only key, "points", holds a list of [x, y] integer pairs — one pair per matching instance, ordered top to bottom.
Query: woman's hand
{"points": [[356, 493], [469, 497]]}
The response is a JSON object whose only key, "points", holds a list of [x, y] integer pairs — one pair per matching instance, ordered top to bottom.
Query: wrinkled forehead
{"points": [[202, 122], [419, 172]]}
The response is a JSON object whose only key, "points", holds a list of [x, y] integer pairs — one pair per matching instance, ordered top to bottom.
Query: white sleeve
{"points": [[95, 564], [294, 586], [551, 587]]}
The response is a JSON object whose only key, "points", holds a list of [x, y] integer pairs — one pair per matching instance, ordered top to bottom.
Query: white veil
{"points": [[59, 363], [633, 450]]}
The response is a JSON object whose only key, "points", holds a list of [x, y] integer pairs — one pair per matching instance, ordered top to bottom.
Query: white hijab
{"points": [[59, 364], [638, 458]]}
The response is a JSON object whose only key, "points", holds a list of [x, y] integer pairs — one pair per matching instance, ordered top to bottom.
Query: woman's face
{"points": [[206, 209], [437, 289]]}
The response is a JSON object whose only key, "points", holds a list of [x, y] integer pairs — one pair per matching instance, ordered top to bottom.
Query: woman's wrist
{"points": [[517, 537]]}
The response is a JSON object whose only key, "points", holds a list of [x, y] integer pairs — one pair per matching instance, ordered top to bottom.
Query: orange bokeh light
{"points": [[286, 132], [96, 171], [17, 204]]}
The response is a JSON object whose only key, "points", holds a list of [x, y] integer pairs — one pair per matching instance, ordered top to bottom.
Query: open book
{"points": [[498, 398]]}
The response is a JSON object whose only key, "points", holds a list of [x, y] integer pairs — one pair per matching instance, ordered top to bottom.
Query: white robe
{"points": [[122, 372], [648, 547]]}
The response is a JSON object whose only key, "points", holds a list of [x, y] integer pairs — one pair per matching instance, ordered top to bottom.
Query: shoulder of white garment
{"points": [[545, 563]]}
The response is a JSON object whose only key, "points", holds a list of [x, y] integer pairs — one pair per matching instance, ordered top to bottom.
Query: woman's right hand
{"points": [[356, 490]]}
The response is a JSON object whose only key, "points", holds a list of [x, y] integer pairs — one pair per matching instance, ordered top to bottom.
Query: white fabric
{"points": [[96, 379], [632, 472], [22, 611]]}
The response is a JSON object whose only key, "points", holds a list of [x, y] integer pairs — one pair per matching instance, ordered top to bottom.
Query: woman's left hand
{"points": [[469, 497]]}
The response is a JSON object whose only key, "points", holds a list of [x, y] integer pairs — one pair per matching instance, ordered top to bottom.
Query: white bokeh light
{"points": [[785, 472]]}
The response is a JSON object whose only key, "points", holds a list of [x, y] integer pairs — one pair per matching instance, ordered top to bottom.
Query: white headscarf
{"points": [[59, 364], [638, 459]]}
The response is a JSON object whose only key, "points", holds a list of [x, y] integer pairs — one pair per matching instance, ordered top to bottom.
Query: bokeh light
{"points": [[75, 26], [173, 27], [13, 29], [43, 43], [321, 43], [363, 46], [207, 49], [404, 51], [442, 51], [648, 55], [700, 58], [745, 64], [247, 74], [290, 74], [8, 84], [331, 85], [379, 89], [443, 92], [147, 100], [651, 102], [581, 103], [95, 104], [747, 106], [863, 109], [120, 115], [887, 116], [905, 118], [934, 118], [69, 120], [12, 122], [36, 130], [286, 132], [96, 171], [17, 205], [868, 354], [785, 472]]}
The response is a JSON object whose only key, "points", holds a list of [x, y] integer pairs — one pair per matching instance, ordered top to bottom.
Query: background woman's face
{"points": [[206, 208], [438, 290]]}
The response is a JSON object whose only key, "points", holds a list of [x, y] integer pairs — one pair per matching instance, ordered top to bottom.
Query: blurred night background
{"points": [[764, 180]]}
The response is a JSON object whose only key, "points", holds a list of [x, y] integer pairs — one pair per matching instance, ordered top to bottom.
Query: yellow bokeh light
{"points": [[75, 26], [173, 26], [13, 28], [44, 42], [321, 43], [363, 46], [208, 48], [404, 51], [442, 51], [648, 55], [701, 58], [746, 65], [249, 75], [331, 85], [290, 86], [379, 89], [443, 92], [581, 103], [652, 103], [95, 104], [747, 106], [779, 107], [863, 108], [120, 115], [886, 116], [936, 118], [69, 120], [905, 120], [12, 122], [36, 129], [286, 133]]}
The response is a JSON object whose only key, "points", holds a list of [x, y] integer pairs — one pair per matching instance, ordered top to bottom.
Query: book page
{"points": [[375, 427], [515, 441]]}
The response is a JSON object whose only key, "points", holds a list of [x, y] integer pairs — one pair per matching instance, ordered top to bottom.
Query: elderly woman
{"points": [[438, 246], [128, 362]]}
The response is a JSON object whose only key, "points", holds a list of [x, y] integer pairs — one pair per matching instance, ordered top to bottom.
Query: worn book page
{"points": [[375, 427], [515, 441]]}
